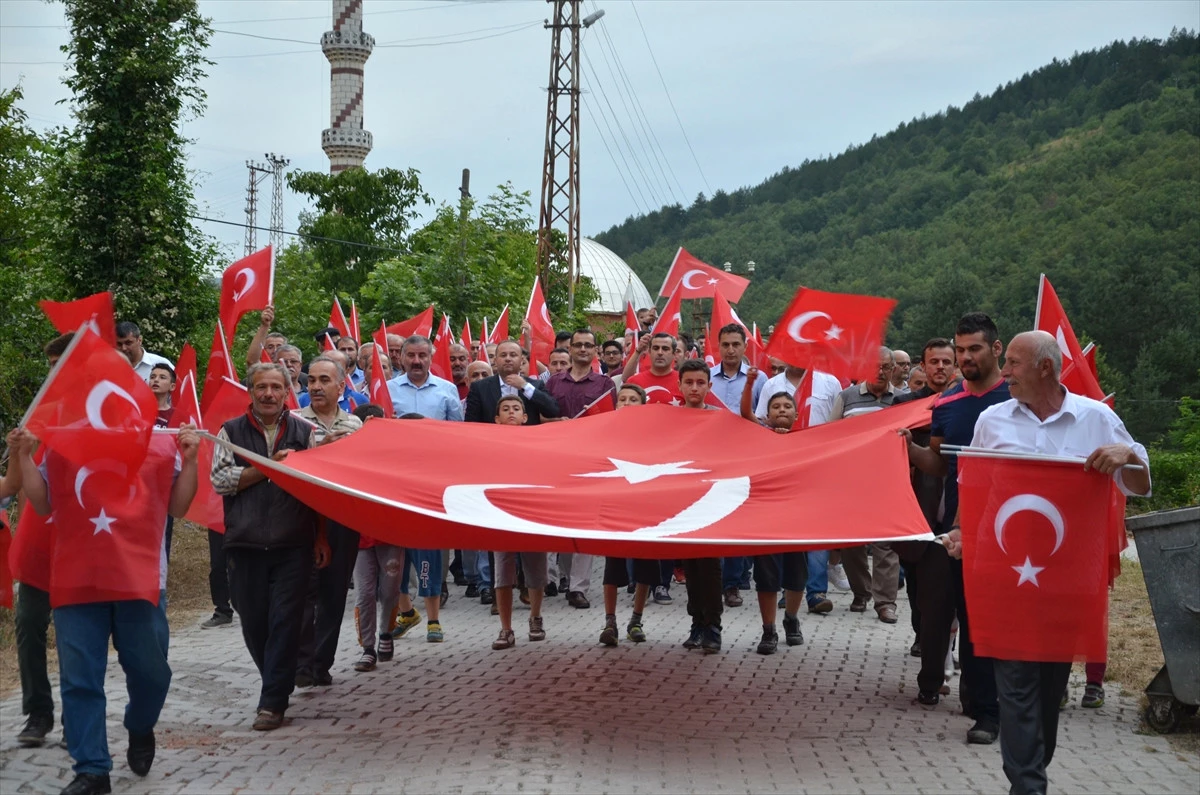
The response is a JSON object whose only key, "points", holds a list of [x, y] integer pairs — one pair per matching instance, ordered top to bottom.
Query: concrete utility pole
{"points": [[345, 142], [277, 165], [560, 168], [258, 172]]}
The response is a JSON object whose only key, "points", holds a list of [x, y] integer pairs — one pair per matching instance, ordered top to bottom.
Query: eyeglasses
{"points": [[584, 345], [778, 370]]}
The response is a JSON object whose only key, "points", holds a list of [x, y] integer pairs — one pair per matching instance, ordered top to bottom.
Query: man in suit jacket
{"points": [[484, 395]]}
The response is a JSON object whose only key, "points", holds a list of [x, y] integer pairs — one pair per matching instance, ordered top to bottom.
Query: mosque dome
{"points": [[613, 279]]}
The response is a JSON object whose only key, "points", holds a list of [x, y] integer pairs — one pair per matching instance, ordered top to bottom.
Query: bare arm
{"points": [[254, 352], [631, 366], [747, 405], [927, 459], [31, 480], [10, 484], [184, 488]]}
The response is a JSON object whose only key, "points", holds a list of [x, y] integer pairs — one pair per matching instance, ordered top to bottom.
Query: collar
{"points": [[718, 371], [403, 380], [862, 389], [1069, 408], [309, 413], [257, 424]]}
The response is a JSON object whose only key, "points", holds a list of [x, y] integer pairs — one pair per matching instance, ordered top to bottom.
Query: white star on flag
{"points": [[712, 281], [834, 333], [641, 473], [103, 523], [1028, 572]]}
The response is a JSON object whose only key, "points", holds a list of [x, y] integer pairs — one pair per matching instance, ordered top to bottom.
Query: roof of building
{"points": [[613, 279]]}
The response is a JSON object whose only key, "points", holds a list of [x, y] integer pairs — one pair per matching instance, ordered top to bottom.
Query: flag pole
{"points": [[1037, 312], [1015, 455]]}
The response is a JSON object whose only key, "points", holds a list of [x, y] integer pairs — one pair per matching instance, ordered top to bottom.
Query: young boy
{"points": [[511, 411], [616, 570]]}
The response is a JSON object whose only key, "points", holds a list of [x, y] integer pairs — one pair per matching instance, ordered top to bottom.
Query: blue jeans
{"points": [[477, 568], [735, 573], [818, 574], [139, 632]]}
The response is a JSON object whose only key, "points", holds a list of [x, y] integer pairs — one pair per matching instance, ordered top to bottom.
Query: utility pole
{"points": [[277, 165], [560, 168], [258, 172], [464, 196]]}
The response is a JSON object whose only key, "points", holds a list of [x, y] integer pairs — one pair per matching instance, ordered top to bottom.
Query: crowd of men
{"points": [[287, 571]]}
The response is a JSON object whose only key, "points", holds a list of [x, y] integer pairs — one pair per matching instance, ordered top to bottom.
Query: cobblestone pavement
{"points": [[837, 714]]}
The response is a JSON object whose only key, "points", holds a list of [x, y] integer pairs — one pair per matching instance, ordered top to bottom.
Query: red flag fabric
{"points": [[696, 279], [247, 285], [537, 315], [723, 315], [67, 316], [337, 320], [668, 322], [632, 324], [421, 325], [354, 327], [500, 329], [836, 333], [380, 336], [466, 339], [327, 344], [756, 350], [712, 351], [483, 353], [263, 356], [439, 363], [220, 365], [1077, 375], [186, 376], [378, 390], [804, 396], [230, 400], [291, 402], [94, 405], [601, 405], [660, 482], [99, 515], [33, 545], [1032, 547]]}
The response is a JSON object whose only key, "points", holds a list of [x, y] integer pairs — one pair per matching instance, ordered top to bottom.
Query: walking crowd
{"points": [[288, 572]]}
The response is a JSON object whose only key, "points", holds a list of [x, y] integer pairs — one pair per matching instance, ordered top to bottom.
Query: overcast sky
{"points": [[756, 85]]}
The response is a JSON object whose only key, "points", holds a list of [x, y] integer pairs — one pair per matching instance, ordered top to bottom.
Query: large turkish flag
{"points": [[696, 279], [246, 285], [836, 333], [230, 399], [648, 481], [1036, 557]]}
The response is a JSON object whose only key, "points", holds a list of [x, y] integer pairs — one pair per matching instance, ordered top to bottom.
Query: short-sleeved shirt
{"points": [[659, 388], [574, 396], [436, 398], [855, 400], [954, 417], [343, 422]]}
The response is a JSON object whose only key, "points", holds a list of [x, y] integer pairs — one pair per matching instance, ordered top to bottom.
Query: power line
{"points": [[447, 4], [670, 101], [632, 155], [620, 172], [301, 235]]}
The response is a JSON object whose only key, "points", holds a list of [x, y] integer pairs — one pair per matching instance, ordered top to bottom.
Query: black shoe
{"points": [[562, 585], [630, 588], [551, 589], [472, 591], [486, 597], [733, 598], [578, 600], [218, 620], [791, 631], [693, 638], [710, 640], [769, 643], [915, 650], [304, 679], [322, 679], [929, 698], [35, 731], [982, 733], [141, 753], [88, 784]]}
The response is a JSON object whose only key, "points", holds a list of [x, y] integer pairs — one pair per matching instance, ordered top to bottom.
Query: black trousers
{"points": [[218, 577], [931, 587], [267, 588], [325, 601], [704, 603], [32, 623], [977, 686], [1029, 696]]}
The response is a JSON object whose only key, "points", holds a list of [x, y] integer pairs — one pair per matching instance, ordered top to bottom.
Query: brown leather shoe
{"points": [[733, 598], [578, 600], [859, 605], [887, 613], [267, 720]]}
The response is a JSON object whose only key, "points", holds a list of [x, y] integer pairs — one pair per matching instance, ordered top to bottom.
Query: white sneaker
{"points": [[837, 577]]}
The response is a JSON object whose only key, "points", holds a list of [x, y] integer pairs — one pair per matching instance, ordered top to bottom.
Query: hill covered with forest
{"points": [[1087, 169]]}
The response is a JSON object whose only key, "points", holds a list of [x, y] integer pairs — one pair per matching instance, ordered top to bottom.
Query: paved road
{"points": [[834, 715]]}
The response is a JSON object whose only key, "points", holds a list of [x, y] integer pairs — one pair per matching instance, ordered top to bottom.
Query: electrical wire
{"points": [[624, 136], [619, 170], [299, 234]]}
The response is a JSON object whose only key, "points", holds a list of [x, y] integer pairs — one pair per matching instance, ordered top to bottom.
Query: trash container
{"points": [[1168, 545]]}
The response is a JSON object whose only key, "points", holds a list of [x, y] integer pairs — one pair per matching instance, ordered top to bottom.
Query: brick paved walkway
{"points": [[834, 715]]}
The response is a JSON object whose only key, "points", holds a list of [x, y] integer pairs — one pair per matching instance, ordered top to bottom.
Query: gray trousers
{"points": [[575, 567], [879, 581], [1029, 695]]}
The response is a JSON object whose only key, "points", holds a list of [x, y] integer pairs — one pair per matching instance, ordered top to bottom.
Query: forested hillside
{"points": [[1087, 169]]}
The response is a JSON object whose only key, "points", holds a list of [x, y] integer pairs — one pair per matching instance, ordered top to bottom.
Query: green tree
{"points": [[122, 183], [362, 218]]}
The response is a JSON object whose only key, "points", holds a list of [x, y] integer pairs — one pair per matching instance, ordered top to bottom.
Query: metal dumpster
{"points": [[1168, 545]]}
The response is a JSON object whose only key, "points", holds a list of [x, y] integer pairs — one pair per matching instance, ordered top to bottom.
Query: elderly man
{"points": [[129, 342], [289, 357], [460, 357], [901, 370], [349, 398], [1043, 417], [270, 537], [882, 580], [326, 601]]}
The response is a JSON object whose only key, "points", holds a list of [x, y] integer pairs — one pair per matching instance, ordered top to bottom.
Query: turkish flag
{"points": [[696, 279], [246, 285], [537, 315], [723, 315], [67, 316], [337, 320], [668, 322], [632, 324], [420, 326], [354, 328], [500, 330], [836, 333], [380, 336], [465, 338], [327, 344], [756, 350], [712, 351], [263, 356], [439, 363], [220, 365], [1077, 375], [185, 388], [378, 391], [804, 397], [230, 400], [291, 402], [601, 405], [94, 406], [659, 482], [99, 515], [33, 545], [1036, 558]]}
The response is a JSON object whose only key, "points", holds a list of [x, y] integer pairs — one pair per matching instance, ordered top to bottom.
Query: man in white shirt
{"points": [[129, 342], [824, 389], [1043, 417]]}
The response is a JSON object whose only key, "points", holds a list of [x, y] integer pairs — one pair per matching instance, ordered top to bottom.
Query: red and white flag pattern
{"points": [[696, 279], [246, 286], [672, 314], [537, 315], [66, 316], [337, 320], [420, 325], [836, 333], [220, 365], [1078, 375], [377, 388]]}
